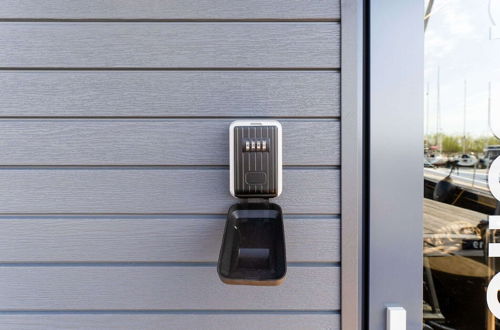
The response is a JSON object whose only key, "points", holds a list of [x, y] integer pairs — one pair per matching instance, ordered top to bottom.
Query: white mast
{"points": [[438, 113], [427, 115], [490, 125], [464, 140]]}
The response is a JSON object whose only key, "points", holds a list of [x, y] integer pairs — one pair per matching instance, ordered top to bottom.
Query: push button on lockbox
{"points": [[255, 178]]}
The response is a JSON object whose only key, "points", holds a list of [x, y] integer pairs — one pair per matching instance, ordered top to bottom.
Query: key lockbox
{"points": [[255, 163], [253, 245]]}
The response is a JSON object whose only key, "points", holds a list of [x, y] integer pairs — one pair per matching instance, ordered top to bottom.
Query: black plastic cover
{"points": [[253, 246]]}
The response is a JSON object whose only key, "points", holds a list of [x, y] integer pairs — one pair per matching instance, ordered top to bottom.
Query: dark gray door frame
{"points": [[382, 118]]}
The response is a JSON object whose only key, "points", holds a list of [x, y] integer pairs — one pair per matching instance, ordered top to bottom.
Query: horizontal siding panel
{"points": [[170, 9], [170, 45], [170, 93], [153, 142], [154, 190], [158, 239], [158, 287], [170, 321]]}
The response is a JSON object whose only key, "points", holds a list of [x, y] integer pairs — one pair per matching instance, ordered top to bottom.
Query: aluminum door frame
{"points": [[395, 107], [382, 150]]}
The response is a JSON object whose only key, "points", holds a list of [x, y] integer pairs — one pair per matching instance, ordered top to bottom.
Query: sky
{"points": [[457, 41]]}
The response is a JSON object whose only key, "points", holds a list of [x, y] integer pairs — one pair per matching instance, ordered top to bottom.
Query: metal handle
{"points": [[396, 318]]}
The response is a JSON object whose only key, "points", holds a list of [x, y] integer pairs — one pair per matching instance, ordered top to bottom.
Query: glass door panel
{"points": [[461, 129]]}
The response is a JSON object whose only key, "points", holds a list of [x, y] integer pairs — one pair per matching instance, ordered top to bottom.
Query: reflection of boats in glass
{"points": [[490, 154], [437, 159], [466, 160], [427, 163], [469, 188], [456, 264], [456, 268]]}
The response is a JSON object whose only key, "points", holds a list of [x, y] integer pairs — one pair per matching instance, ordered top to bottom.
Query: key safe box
{"points": [[253, 245]]}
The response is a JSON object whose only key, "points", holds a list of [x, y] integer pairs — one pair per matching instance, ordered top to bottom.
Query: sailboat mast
{"points": [[489, 105], [438, 112], [490, 124], [427, 137], [464, 140]]}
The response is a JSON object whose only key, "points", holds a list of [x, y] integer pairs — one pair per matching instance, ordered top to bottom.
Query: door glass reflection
{"points": [[462, 123]]}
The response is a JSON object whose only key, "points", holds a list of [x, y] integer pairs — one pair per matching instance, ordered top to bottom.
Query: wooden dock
{"points": [[446, 226]]}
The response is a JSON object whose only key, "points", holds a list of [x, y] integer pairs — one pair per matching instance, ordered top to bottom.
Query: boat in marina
{"points": [[437, 159], [466, 160]]}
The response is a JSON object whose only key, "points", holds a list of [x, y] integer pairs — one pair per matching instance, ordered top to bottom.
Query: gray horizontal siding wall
{"points": [[172, 9], [170, 45], [170, 93], [145, 141], [114, 162], [153, 190], [150, 238], [155, 321]]}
